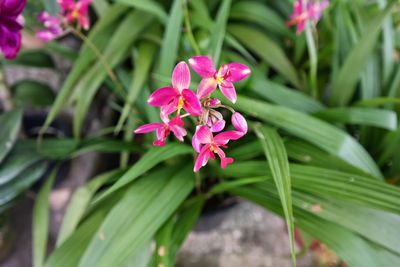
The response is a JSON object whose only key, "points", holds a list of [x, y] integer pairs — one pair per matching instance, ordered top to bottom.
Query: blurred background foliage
{"points": [[323, 154]]}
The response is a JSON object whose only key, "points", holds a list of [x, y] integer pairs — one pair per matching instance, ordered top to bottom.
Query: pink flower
{"points": [[304, 10], [71, 12], [76, 12], [52, 24], [10, 26], [223, 78], [178, 96], [239, 122], [164, 129], [212, 145]]}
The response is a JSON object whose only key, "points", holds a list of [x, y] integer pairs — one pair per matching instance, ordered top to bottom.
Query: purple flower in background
{"points": [[306, 10], [11, 24]]}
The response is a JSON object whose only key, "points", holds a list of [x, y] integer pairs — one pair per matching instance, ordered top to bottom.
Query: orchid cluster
{"points": [[306, 10], [71, 12], [11, 24], [209, 138]]}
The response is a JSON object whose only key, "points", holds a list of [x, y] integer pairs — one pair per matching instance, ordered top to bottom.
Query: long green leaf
{"points": [[149, 6], [218, 31], [267, 49], [344, 85], [385, 119], [10, 124], [319, 133], [275, 153], [153, 157], [135, 219], [40, 222]]}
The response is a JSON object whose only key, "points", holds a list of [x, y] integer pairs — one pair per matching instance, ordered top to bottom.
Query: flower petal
{"points": [[12, 8], [10, 42], [203, 66], [237, 72], [181, 76], [206, 87], [228, 90], [162, 96], [191, 103], [239, 122], [218, 126], [146, 128], [179, 132], [204, 135], [224, 137], [195, 140], [202, 158], [224, 160]]}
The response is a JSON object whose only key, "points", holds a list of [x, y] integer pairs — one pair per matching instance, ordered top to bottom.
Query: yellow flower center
{"points": [[75, 14], [219, 79], [180, 104], [212, 148]]}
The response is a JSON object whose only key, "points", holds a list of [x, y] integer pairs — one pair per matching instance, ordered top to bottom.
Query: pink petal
{"points": [[12, 8], [300, 27], [10, 42], [203, 66], [237, 72], [181, 76], [206, 87], [228, 90], [162, 96], [214, 102], [191, 103], [171, 107], [177, 121], [239, 122], [218, 126], [146, 128], [179, 132], [204, 135], [224, 137], [195, 140], [159, 143], [202, 158], [224, 160]]}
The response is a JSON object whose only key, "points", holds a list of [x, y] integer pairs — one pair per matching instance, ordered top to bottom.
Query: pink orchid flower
{"points": [[304, 10], [76, 11], [71, 12], [11, 24], [52, 24], [224, 78], [178, 96], [239, 122], [164, 129], [212, 145]]}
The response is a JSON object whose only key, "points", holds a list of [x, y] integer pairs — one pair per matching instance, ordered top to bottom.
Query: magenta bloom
{"points": [[304, 10], [71, 12], [76, 12], [10, 26], [53, 27], [223, 78], [178, 96], [239, 122], [164, 129], [212, 145]]}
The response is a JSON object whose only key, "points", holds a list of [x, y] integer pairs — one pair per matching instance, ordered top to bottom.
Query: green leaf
{"points": [[149, 6], [218, 31], [99, 36], [170, 43], [118, 46], [267, 50], [146, 54], [344, 85], [32, 93], [283, 95], [378, 101], [385, 119], [10, 124], [319, 133], [275, 153], [153, 157], [18, 160], [22, 182], [80, 201], [136, 218], [40, 222]]}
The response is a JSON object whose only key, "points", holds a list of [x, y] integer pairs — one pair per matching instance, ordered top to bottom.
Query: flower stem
{"points": [[188, 27], [96, 51], [312, 51]]}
